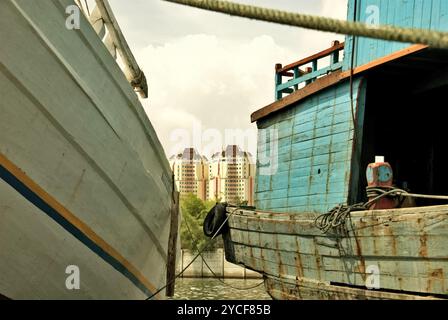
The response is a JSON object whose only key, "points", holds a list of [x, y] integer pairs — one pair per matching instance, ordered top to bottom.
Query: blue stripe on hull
{"points": [[33, 198]]}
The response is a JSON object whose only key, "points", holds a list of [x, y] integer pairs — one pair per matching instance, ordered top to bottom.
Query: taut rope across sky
{"points": [[434, 39]]}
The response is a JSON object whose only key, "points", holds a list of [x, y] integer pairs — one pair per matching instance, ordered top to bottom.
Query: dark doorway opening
{"points": [[408, 127]]}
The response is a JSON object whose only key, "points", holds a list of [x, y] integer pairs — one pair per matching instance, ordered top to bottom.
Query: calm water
{"points": [[211, 289]]}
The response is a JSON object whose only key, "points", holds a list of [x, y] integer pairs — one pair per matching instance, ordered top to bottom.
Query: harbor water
{"points": [[213, 289]]}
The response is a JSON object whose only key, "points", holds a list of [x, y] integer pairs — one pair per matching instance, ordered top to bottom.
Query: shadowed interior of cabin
{"points": [[405, 122]]}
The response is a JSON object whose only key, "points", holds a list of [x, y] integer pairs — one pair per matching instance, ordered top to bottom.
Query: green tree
{"points": [[239, 202], [194, 211]]}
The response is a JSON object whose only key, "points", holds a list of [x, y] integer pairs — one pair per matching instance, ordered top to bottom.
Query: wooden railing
{"points": [[102, 18], [306, 71]]}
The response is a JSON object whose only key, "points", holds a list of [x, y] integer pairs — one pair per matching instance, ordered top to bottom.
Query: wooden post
{"points": [[335, 58], [315, 66], [308, 70], [296, 76], [278, 81], [172, 246], [182, 261], [223, 264], [202, 267]]}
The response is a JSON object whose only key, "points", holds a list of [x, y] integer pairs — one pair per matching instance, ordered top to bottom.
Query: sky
{"points": [[207, 72]]}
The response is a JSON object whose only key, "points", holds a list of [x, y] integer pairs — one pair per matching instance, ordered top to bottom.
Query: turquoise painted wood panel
{"points": [[422, 14], [313, 152]]}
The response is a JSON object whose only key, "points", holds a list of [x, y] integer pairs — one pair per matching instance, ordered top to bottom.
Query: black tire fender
{"points": [[214, 219]]}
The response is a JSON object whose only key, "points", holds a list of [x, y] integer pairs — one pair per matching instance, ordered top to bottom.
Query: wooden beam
{"points": [[396, 55], [316, 56], [288, 74], [329, 81], [287, 90], [298, 95], [172, 246]]}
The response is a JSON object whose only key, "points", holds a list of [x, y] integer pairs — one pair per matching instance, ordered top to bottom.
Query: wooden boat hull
{"points": [[83, 177], [300, 262]]}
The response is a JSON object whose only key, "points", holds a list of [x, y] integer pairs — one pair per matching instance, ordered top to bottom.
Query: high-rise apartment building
{"points": [[190, 173], [228, 176], [231, 176]]}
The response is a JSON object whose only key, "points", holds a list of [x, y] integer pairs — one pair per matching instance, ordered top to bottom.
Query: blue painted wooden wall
{"points": [[423, 14], [314, 153], [316, 167]]}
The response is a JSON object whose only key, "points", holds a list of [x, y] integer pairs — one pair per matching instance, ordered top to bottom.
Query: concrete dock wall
{"points": [[217, 262]]}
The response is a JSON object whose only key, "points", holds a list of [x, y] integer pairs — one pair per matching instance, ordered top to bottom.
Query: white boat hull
{"points": [[83, 178]]}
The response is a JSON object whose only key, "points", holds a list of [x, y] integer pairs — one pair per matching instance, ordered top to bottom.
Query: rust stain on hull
{"points": [[423, 252], [298, 259], [362, 267], [321, 269], [436, 276]]}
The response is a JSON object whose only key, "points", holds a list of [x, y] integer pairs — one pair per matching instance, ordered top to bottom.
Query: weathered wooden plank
{"points": [[405, 13], [322, 106], [322, 128], [325, 149], [321, 151], [306, 154], [304, 159], [296, 189], [432, 220], [407, 245], [380, 246], [403, 275], [412, 275], [303, 289]]}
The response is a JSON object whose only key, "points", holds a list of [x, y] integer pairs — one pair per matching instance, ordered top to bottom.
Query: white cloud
{"points": [[335, 9], [201, 79], [214, 80]]}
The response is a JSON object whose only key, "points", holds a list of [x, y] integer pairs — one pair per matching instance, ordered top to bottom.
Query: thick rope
{"points": [[434, 39], [395, 192], [336, 217]]}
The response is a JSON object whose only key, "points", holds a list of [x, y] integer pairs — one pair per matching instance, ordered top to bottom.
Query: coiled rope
{"points": [[434, 39], [396, 192], [338, 216]]}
